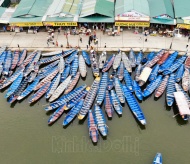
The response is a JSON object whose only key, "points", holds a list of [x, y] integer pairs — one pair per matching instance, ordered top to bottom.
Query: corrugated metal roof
{"points": [[140, 6], [102, 7], [161, 7], [32, 8], [181, 8], [65, 9]]}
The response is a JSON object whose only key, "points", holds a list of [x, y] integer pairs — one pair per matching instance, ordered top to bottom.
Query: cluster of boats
{"points": [[55, 75]]}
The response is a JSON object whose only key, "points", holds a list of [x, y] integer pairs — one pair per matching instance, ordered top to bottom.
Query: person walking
{"points": [[58, 30], [52, 35], [145, 36], [80, 39], [56, 43], [105, 45]]}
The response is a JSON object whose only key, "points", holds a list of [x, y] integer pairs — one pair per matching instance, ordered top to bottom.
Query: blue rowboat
{"points": [[22, 56], [150, 56], [3, 57], [56, 57], [71, 57], [86, 57], [139, 57], [132, 58], [15, 59], [28, 59], [102, 59], [155, 59], [117, 60], [144, 60], [169, 61], [126, 62], [94, 63], [108, 63], [177, 63], [7, 64], [61, 65], [74, 66], [48, 67], [120, 71], [65, 72], [138, 72], [154, 72], [47, 73], [179, 73], [32, 76], [11, 79], [46, 79], [186, 79], [128, 80], [72, 83], [110, 83], [54, 84], [14, 85], [152, 86], [162, 86], [102, 88], [29, 89], [170, 89], [180, 89], [19, 90], [137, 90], [119, 91], [40, 92], [65, 98], [77, 98], [89, 99], [115, 102], [108, 105], [134, 105], [73, 112], [56, 114], [100, 120], [92, 127], [157, 159]]}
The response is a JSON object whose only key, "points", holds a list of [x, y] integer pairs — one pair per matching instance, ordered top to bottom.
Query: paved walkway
{"points": [[125, 41]]}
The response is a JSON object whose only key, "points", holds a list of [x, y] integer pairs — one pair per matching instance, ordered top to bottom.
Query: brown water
{"points": [[26, 138]]}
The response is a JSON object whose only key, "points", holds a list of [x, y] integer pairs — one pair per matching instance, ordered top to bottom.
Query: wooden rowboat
{"points": [[163, 58], [102, 59], [117, 60], [82, 66], [185, 80], [161, 88], [108, 105], [92, 127]]}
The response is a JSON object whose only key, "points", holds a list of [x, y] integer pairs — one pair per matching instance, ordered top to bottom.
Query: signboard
{"points": [[132, 13], [132, 16], [163, 16], [138, 19], [186, 21], [60, 23], [27, 24], [139, 24], [185, 26]]}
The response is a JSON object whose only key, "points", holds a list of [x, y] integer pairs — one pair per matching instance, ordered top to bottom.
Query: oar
{"points": [[175, 115]]}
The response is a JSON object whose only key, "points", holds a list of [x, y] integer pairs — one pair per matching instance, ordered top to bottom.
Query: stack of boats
{"points": [[56, 75]]}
